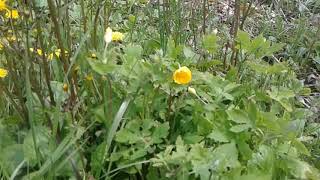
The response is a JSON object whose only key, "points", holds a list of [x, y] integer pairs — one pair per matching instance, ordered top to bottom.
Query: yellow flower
{"points": [[3, 5], [13, 14], [113, 36], [117, 36], [12, 38], [1, 46], [31, 49], [39, 51], [57, 52], [93, 55], [50, 56], [3, 73], [182, 75], [89, 77], [65, 87]]}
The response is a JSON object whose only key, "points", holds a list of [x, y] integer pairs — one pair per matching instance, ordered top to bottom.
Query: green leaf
{"points": [[244, 41], [210, 42], [174, 50], [133, 52], [101, 68], [238, 116], [240, 128], [160, 132], [125, 136], [218, 136], [192, 138], [42, 141], [301, 147], [244, 149], [11, 156], [225, 156], [96, 157], [263, 160], [300, 169]]}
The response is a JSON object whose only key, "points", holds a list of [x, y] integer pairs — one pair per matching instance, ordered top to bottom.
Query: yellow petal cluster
{"points": [[3, 5], [13, 14], [113, 36], [117, 36], [3, 73], [182, 75], [65, 87]]}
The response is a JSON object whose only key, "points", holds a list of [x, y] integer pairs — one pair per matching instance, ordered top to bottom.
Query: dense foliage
{"points": [[170, 89]]}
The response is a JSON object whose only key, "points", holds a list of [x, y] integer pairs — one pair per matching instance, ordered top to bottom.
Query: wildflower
{"points": [[3, 5], [13, 14], [108, 35], [113, 36], [117, 36], [11, 38], [1, 46], [31, 49], [39, 51], [57, 52], [93, 55], [50, 56], [3, 73], [182, 75], [89, 77], [65, 87], [192, 91]]}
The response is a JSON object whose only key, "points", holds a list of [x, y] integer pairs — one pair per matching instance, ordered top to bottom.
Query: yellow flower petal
{"points": [[3, 5], [13, 14], [117, 36], [1, 46], [39, 51], [57, 52], [93, 55], [50, 57], [3, 73], [182, 75], [89, 77], [65, 87]]}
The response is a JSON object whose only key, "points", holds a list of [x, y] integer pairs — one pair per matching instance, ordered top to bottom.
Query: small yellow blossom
{"points": [[3, 5], [13, 14], [113, 36], [117, 36], [11, 38], [1, 46], [31, 49], [39, 51], [57, 52], [93, 55], [50, 56], [3, 73], [182, 75], [89, 77], [65, 87]]}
